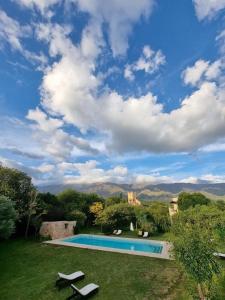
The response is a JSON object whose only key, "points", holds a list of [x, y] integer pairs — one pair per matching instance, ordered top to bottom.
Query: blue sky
{"points": [[118, 91]]}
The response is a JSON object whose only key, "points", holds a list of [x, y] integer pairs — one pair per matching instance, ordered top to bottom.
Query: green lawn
{"points": [[28, 271]]}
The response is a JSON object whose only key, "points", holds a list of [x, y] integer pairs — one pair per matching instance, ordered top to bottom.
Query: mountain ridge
{"points": [[161, 191]]}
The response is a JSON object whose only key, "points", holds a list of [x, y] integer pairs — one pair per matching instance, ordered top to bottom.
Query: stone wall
{"points": [[57, 230]]}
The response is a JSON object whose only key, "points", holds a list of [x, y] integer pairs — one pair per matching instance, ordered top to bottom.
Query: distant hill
{"points": [[162, 192]]}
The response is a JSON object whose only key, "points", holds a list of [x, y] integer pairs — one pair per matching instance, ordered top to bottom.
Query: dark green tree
{"points": [[17, 186], [186, 200], [7, 217], [194, 236]]}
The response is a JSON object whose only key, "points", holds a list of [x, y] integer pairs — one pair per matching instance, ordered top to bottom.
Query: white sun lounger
{"points": [[115, 231], [119, 232], [145, 235], [220, 255], [68, 279], [86, 291]]}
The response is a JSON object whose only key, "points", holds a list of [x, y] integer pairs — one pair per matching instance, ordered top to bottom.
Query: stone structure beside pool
{"points": [[58, 229], [165, 253]]}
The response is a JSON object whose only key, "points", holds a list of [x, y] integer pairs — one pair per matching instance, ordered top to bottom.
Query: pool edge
{"points": [[165, 254]]}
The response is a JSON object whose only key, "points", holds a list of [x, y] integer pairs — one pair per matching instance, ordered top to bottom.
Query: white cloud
{"points": [[41, 5], [208, 8], [120, 17], [12, 33], [221, 40], [149, 62], [202, 70], [70, 90], [53, 140], [89, 172], [213, 178], [150, 179]]}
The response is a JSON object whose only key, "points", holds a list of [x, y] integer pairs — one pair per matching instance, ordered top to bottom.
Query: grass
{"points": [[29, 268]]}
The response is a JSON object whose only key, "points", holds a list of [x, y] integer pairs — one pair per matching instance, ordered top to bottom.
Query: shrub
{"points": [[186, 200], [78, 216], [116, 216], [7, 217]]}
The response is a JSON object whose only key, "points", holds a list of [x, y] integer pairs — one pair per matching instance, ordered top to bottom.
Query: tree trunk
{"points": [[28, 225], [200, 292]]}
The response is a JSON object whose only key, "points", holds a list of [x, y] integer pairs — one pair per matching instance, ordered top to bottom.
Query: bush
{"points": [[186, 200], [78, 216], [116, 216], [7, 217]]}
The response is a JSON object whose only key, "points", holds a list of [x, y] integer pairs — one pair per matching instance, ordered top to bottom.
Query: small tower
{"points": [[132, 199], [173, 207]]}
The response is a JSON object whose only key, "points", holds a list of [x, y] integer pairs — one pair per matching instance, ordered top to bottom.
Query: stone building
{"points": [[132, 199]]}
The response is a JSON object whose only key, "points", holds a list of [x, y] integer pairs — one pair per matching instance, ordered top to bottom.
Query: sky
{"points": [[116, 91]]}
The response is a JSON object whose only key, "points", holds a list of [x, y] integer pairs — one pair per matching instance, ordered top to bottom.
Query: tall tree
{"points": [[17, 186], [7, 217], [193, 232]]}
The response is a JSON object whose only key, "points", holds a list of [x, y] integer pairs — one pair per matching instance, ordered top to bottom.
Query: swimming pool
{"points": [[116, 244]]}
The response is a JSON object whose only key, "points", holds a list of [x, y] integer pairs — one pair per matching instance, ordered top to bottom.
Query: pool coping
{"points": [[165, 254]]}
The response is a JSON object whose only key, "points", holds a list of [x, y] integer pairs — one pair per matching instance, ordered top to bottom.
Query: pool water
{"points": [[116, 243]]}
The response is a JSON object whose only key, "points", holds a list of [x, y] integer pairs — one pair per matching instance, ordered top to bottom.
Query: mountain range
{"points": [[149, 192]]}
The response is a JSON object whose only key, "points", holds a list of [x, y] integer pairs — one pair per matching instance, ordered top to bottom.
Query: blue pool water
{"points": [[116, 243]]}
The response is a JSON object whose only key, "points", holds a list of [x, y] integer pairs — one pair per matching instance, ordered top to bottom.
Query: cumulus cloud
{"points": [[208, 9], [120, 16], [149, 62], [202, 70], [70, 90], [53, 139]]}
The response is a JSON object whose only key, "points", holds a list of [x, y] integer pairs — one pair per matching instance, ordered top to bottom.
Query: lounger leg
{"points": [[59, 282], [73, 295]]}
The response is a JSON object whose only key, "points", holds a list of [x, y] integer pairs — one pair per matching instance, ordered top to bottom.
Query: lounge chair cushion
{"points": [[72, 276], [87, 289]]}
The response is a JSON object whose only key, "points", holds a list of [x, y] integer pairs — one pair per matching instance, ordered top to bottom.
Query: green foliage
{"points": [[17, 186], [70, 200], [114, 200], [186, 200], [96, 209], [54, 210], [78, 216], [116, 216], [7, 217], [153, 218], [195, 236], [195, 252]]}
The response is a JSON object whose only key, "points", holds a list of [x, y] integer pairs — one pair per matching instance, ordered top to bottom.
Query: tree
{"points": [[17, 186], [71, 200], [115, 200], [186, 200], [96, 208], [54, 209], [160, 215], [77, 216], [116, 216], [7, 217], [192, 233]]}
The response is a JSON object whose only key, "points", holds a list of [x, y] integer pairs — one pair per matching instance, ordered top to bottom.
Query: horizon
{"points": [[108, 93]]}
